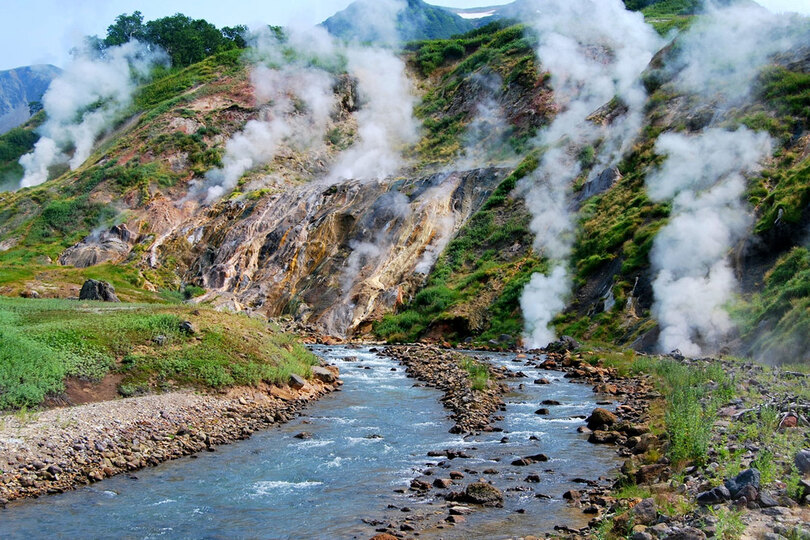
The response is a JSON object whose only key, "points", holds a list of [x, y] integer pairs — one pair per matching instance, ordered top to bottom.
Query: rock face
{"points": [[18, 88], [113, 245], [343, 255], [98, 290]]}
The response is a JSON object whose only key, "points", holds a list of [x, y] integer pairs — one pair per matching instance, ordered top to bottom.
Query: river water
{"points": [[368, 440]]}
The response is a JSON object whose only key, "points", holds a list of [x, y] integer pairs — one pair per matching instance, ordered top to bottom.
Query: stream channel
{"points": [[369, 440]]}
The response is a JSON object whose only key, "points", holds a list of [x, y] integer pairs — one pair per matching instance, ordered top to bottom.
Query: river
{"points": [[368, 440]]}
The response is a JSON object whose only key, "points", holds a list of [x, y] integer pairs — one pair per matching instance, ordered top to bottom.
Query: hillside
{"points": [[364, 21], [18, 89], [355, 255]]}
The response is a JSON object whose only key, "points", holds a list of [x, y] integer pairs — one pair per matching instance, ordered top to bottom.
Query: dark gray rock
{"points": [[98, 290], [802, 461], [750, 477], [716, 495], [767, 500], [686, 533]]}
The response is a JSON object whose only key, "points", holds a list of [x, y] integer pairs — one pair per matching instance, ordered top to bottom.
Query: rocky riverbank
{"points": [[473, 409], [61, 449], [739, 489]]}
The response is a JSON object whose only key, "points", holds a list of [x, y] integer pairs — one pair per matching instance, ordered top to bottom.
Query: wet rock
{"points": [[98, 290], [564, 344], [542, 381], [550, 402], [542, 411], [600, 418], [304, 435], [603, 437], [456, 475], [750, 477], [533, 478], [442, 483], [420, 485], [484, 494], [572, 495], [460, 510], [455, 519], [384, 536]]}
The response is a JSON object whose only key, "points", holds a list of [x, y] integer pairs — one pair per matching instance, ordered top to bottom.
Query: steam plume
{"points": [[595, 51], [718, 59], [83, 102], [297, 102], [385, 119]]}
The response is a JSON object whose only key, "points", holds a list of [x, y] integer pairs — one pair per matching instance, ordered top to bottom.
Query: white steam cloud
{"points": [[595, 51], [718, 59], [297, 101], [83, 102], [385, 120], [703, 178]]}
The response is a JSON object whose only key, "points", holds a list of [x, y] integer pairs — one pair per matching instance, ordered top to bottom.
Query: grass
{"points": [[45, 341], [477, 372]]}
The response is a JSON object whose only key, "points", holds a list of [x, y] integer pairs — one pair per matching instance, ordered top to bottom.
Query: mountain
{"points": [[415, 20], [18, 88]]}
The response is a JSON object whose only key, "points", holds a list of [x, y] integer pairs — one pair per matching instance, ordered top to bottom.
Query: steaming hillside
{"points": [[488, 187]]}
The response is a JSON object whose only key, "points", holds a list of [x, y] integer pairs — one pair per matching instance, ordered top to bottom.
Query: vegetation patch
{"points": [[45, 341]]}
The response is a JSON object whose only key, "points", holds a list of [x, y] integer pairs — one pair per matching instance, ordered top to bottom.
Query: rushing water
{"points": [[368, 440]]}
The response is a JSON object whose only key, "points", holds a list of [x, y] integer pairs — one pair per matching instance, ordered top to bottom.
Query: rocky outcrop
{"points": [[113, 246], [336, 257], [98, 290]]}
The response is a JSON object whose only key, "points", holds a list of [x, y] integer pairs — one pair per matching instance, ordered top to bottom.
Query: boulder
{"points": [[98, 290], [188, 327], [564, 344], [323, 374], [297, 382], [599, 418], [802, 461], [750, 477], [484, 494], [715, 495], [645, 512], [686, 533]]}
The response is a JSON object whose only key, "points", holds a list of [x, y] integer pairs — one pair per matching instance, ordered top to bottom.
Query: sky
{"points": [[42, 31]]}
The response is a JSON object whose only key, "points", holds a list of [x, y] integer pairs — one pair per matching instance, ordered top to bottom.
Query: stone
{"points": [[98, 290], [188, 327], [323, 374], [542, 381], [297, 382], [550, 402], [542, 411], [599, 418], [790, 421], [304, 435], [603, 437], [802, 461], [648, 474], [456, 475], [748, 477], [533, 478], [442, 483], [420, 485], [749, 492], [484, 494], [571, 495], [715, 495], [767, 500], [460, 510], [645, 512], [686, 533], [641, 535], [384, 536]]}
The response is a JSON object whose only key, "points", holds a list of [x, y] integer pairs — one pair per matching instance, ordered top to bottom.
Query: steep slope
{"points": [[415, 20], [18, 88]]}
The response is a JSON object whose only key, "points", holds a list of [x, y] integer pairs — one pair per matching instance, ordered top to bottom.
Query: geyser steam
{"points": [[595, 51], [718, 59], [84, 102]]}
